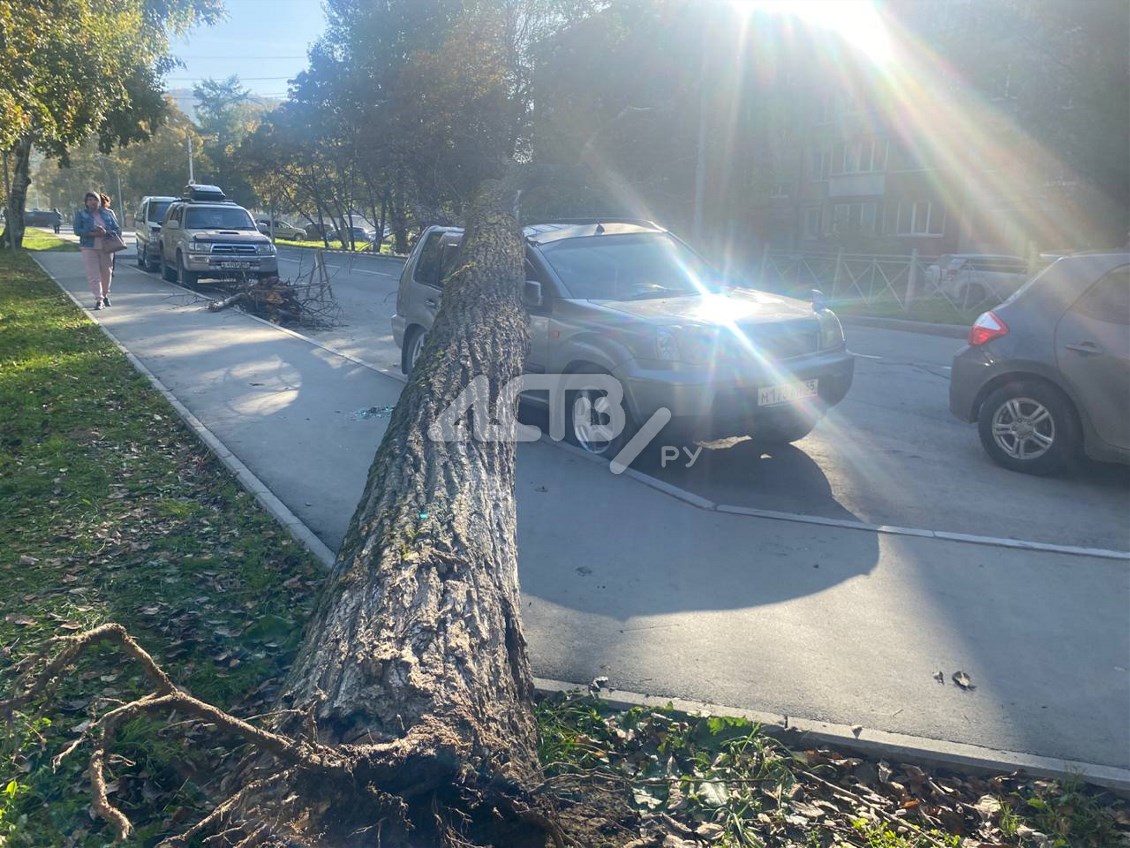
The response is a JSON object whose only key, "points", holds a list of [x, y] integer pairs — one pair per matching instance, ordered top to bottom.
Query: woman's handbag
{"points": [[112, 243]]}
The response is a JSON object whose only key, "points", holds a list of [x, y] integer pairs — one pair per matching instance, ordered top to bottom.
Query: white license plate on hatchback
{"points": [[787, 392]]}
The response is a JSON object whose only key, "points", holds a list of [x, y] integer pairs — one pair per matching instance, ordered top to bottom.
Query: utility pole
{"points": [[191, 179]]}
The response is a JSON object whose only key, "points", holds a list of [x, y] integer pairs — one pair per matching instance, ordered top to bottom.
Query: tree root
{"points": [[307, 754], [427, 765]]}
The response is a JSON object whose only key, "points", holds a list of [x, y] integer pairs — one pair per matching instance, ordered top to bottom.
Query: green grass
{"points": [[36, 239], [385, 248], [114, 512]]}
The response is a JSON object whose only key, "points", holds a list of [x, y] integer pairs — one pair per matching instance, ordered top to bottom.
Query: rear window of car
{"points": [[157, 210], [1109, 299]]}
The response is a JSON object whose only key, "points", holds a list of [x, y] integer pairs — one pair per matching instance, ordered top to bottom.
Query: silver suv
{"points": [[147, 230], [206, 235], [627, 299]]}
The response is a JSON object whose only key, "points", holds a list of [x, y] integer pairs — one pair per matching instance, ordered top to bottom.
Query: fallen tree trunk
{"points": [[217, 305], [415, 660]]}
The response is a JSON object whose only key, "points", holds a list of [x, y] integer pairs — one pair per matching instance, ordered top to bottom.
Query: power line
{"points": [[243, 56], [241, 79]]}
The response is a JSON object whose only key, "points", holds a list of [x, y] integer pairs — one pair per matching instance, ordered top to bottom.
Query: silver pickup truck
{"points": [[626, 299]]}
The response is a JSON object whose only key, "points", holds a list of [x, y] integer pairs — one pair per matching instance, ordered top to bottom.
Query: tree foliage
{"points": [[70, 69]]}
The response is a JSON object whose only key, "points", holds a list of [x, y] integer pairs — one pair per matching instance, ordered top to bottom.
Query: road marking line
{"points": [[341, 268], [944, 535]]}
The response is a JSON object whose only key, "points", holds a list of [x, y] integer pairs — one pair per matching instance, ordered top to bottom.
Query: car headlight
{"points": [[200, 247], [267, 249], [831, 333], [689, 345], [666, 346]]}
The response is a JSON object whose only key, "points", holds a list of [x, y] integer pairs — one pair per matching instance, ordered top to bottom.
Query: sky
{"points": [[263, 42]]}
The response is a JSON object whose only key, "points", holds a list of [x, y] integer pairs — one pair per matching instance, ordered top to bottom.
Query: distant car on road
{"points": [[52, 218], [283, 229], [147, 230], [360, 235], [973, 279], [627, 299], [1046, 375]]}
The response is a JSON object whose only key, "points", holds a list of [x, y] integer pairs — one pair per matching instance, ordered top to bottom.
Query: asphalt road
{"points": [[890, 454], [792, 616]]}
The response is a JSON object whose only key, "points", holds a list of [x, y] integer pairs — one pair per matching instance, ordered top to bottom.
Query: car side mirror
{"points": [[172, 225], [532, 294]]}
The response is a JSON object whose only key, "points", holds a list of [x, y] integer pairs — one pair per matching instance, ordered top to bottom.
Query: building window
{"points": [[825, 109], [862, 156], [821, 165], [920, 218], [855, 219], [812, 223]]}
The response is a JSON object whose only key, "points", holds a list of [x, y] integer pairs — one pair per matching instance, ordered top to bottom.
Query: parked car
{"points": [[52, 218], [283, 229], [147, 230], [205, 235], [360, 235], [971, 279], [628, 299], [1046, 375]]}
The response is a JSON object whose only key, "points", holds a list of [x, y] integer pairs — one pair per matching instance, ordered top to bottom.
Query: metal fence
{"points": [[883, 283]]}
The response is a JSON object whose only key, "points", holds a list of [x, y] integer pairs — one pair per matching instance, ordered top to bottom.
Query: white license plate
{"points": [[236, 266], [786, 393]]}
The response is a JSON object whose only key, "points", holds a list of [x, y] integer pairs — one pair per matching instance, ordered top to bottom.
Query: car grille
{"points": [[234, 250], [776, 342]]}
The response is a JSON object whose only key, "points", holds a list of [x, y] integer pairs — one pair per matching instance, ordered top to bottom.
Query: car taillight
{"points": [[986, 328]]}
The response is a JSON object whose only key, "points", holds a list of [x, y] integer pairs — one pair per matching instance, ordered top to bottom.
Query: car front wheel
{"points": [[185, 277], [413, 347], [590, 423], [1029, 427]]}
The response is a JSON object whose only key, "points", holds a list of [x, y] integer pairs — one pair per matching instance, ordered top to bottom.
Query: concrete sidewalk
{"points": [[832, 626]]}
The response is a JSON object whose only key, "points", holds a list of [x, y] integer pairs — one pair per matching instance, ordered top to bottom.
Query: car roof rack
{"points": [[201, 191]]}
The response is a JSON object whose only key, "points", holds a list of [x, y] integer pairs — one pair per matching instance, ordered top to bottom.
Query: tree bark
{"points": [[13, 235], [415, 658]]}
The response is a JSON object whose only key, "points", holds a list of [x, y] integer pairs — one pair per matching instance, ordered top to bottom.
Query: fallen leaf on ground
{"points": [[963, 680]]}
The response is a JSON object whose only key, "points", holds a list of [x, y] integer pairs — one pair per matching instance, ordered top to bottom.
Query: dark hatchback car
{"points": [[628, 300], [1046, 375]]}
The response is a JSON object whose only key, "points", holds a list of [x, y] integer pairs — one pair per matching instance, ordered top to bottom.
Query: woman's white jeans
{"points": [[98, 271]]}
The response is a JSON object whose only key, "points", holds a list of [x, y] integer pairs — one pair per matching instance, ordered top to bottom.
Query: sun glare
{"points": [[857, 22]]}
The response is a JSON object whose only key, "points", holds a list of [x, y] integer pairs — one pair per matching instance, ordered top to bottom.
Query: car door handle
{"points": [[430, 302], [1085, 348]]}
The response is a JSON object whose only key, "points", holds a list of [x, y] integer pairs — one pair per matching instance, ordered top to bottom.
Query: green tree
{"points": [[70, 69], [226, 114]]}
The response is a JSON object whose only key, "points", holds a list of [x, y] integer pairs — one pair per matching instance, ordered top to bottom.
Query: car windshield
{"points": [[157, 210], [218, 218], [629, 267]]}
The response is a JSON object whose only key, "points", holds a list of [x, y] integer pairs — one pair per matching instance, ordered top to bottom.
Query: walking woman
{"points": [[91, 223]]}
